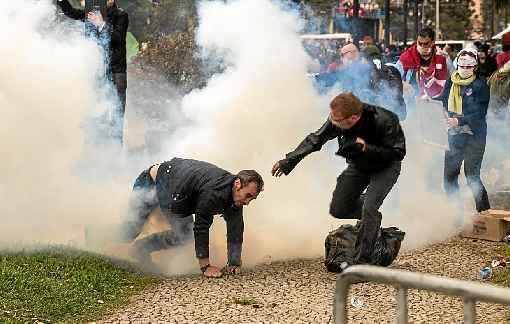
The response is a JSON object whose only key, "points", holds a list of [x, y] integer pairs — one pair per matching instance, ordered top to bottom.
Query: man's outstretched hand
{"points": [[277, 169]]}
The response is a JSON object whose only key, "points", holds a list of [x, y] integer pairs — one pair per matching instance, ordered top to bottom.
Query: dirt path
{"points": [[301, 291]]}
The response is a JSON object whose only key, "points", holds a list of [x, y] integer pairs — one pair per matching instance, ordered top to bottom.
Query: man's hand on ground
{"points": [[277, 169], [232, 269], [212, 272]]}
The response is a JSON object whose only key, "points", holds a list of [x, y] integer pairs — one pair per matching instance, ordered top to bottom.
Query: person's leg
{"points": [[120, 87], [453, 159], [473, 161], [379, 187], [347, 197], [142, 201], [180, 233]]}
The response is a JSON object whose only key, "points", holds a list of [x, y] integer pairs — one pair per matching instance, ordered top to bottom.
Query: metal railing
{"points": [[471, 292]]}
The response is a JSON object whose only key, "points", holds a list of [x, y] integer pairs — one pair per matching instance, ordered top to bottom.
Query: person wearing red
{"points": [[504, 56], [423, 71]]}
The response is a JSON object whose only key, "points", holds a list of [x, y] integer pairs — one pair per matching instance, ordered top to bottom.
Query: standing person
{"points": [[112, 30], [504, 56], [486, 64], [423, 71], [377, 86], [465, 99], [372, 141], [181, 188]]}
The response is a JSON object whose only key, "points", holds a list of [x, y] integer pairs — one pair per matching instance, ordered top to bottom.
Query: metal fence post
{"points": [[402, 305]]}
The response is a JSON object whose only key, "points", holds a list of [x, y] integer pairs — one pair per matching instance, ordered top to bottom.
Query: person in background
{"points": [[112, 30], [504, 56], [486, 64], [423, 71], [465, 99]]}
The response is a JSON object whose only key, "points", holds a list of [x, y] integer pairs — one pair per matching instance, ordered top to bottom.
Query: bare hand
{"points": [[95, 19], [407, 88], [452, 122], [362, 142], [277, 170], [232, 269], [213, 272]]}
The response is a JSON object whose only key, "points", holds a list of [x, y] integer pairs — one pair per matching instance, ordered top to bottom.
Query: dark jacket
{"points": [[117, 22], [487, 68], [380, 87], [475, 100], [379, 128], [186, 187]]}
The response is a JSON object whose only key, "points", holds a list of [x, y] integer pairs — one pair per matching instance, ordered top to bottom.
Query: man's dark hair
{"points": [[427, 32], [506, 48], [247, 176]]}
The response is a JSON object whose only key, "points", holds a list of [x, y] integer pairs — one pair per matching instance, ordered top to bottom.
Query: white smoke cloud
{"points": [[47, 92], [247, 117]]}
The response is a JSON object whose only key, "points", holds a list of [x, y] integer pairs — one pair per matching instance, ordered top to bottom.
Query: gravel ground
{"points": [[301, 291]]}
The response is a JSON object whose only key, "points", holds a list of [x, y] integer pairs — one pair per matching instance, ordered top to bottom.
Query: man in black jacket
{"points": [[111, 32], [372, 141], [181, 188]]}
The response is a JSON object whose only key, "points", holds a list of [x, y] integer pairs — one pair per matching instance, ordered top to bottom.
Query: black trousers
{"points": [[119, 81], [470, 150], [143, 201], [349, 202]]}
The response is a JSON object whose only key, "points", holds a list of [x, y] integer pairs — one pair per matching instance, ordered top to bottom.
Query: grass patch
{"points": [[502, 277], [63, 285]]}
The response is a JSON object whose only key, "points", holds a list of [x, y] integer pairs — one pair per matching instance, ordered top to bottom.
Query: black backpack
{"points": [[340, 249]]}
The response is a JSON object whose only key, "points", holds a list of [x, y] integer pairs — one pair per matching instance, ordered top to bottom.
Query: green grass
{"points": [[502, 277], [62, 285]]}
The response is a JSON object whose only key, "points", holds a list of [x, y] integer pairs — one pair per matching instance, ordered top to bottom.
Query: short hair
{"points": [[427, 32], [346, 103], [247, 176]]}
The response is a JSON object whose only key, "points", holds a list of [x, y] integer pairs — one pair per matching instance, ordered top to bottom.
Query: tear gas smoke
{"points": [[261, 107], [247, 117]]}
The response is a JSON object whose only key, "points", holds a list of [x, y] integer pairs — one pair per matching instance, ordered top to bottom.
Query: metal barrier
{"points": [[471, 292]]}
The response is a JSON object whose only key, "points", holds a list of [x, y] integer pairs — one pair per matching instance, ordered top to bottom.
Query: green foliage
{"points": [[63, 285]]}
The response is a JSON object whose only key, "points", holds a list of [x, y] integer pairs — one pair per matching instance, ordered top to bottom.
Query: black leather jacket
{"points": [[379, 128], [186, 187]]}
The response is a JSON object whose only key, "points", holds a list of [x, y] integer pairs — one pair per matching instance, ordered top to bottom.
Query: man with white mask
{"points": [[466, 98]]}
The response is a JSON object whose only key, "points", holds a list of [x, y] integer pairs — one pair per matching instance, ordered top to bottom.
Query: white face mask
{"points": [[465, 73]]}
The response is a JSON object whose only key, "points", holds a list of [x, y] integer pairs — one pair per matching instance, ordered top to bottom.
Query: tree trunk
{"points": [[406, 12], [416, 20], [386, 23]]}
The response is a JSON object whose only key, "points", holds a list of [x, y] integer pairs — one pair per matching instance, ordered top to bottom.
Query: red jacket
{"points": [[502, 58], [430, 81]]}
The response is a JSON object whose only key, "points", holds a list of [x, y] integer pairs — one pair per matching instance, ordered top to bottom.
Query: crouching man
{"points": [[372, 141], [181, 188]]}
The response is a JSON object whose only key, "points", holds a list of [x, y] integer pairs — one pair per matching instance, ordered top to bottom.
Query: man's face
{"points": [[109, 3], [425, 45], [349, 54], [481, 56], [343, 122], [243, 196]]}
